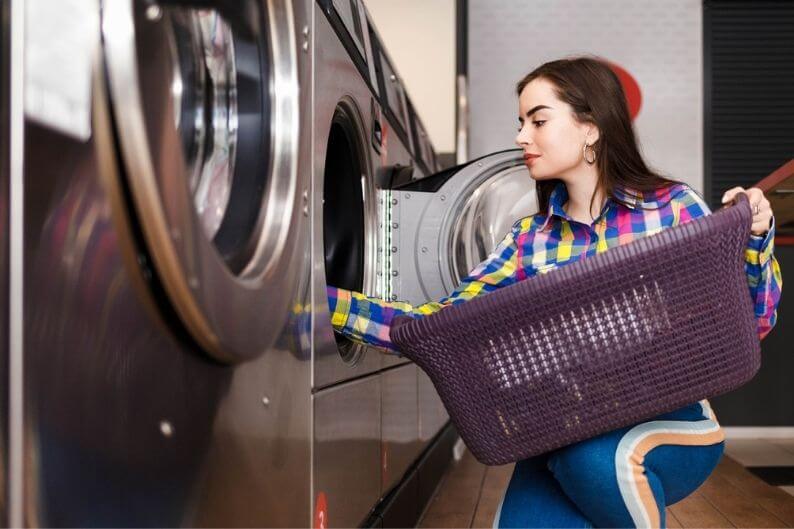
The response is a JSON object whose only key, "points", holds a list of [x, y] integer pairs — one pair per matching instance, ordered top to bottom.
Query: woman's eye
{"points": [[539, 123]]}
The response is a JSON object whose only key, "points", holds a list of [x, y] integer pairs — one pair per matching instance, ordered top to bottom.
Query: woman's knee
{"points": [[589, 463], [683, 469]]}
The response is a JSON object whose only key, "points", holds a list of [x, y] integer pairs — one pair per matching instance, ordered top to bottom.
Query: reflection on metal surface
{"points": [[205, 108], [487, 215]]}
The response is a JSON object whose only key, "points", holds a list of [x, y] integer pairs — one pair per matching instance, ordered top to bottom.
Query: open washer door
{"points": [[204, 99], [446, 224]]}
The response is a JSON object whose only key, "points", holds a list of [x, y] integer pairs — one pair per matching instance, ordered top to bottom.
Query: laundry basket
{"points": [[601, 343]]}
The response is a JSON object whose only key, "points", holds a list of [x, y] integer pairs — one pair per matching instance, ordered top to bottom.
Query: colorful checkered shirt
{"points": [[539, 243]]}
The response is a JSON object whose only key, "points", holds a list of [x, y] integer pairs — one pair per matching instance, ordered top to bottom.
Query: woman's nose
{"points": [[521, 140]]}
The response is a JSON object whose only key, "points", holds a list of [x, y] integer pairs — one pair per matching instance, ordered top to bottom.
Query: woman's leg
{"points": [[626, 478], [534, 499]]}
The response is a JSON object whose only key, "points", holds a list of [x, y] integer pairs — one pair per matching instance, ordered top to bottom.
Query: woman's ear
{"points": [[592, 134]]}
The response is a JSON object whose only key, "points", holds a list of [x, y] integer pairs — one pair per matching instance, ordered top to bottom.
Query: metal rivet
{"points": [[154, 12], [305, 31], [305, 46], [393, 78], [479, 164], [305, 195], [408, 195], [442, 197], [380, 201], [393, 201], [305, 211], [395, 225], [393, 249], [424, 249], [379, 273], [395, 273], [394, 297], [266, 401], [166, 429]]}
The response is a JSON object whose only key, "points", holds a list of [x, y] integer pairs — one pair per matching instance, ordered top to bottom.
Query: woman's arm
{"points": [[761, 266], [366, 319]]}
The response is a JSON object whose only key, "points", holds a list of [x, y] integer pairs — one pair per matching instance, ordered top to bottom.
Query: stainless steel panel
{"points": [[348, 11], [338, 81], [394, 91], [432, 414], [399, 424], [346, 455]]}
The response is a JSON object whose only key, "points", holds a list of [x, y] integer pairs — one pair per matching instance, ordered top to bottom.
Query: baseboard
{"points": [[758, 432]]}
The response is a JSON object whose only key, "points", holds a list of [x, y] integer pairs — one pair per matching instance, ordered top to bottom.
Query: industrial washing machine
{"points": [[366, 137], [166, 246]]}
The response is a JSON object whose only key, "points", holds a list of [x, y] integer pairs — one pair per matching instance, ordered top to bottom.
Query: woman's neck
{"points": [[578, 203]]}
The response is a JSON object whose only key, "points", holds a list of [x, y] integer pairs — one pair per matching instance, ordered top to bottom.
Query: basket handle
{"points": [[738, 198]]}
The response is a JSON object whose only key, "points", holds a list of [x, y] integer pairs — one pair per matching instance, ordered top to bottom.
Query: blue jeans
{"points": [[623, 478]]}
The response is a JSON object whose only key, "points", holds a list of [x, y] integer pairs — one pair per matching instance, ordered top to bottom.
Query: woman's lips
{"points": [[529, 158]]}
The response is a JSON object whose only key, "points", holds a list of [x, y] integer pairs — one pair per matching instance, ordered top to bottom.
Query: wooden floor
{"points": [[469, 494]]}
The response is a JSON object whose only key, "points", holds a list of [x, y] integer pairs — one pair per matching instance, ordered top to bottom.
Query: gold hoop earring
{"points": [[584, 153]]}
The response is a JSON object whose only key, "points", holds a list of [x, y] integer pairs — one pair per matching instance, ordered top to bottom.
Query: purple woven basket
{"points": [[601, 343]]}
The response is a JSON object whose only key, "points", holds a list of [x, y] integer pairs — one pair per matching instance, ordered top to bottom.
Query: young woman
{"points": [[595, 192]]}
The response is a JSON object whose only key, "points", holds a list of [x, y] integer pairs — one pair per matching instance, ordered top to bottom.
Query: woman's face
{"points": [[552, 132]]}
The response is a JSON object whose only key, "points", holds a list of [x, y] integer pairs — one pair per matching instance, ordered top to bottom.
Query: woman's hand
{"points": [[762, 211]]}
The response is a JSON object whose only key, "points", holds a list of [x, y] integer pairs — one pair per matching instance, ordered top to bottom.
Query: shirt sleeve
{"points": [[760, 265], [366, 319]]}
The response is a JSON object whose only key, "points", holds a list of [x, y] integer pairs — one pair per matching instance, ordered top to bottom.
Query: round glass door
{"points": [[205, 102]]}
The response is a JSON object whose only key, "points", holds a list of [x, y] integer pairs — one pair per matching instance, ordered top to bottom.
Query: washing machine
{"points": [[367, 137], [387, 223], [167, 373]]}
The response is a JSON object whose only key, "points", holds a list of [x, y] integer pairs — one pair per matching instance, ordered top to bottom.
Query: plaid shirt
{"points": [[540, 243]]}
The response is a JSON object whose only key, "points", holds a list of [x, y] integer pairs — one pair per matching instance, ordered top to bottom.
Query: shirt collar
{"points": [[559, 195]]}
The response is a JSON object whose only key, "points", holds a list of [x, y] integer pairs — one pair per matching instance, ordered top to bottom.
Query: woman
{"points": [[595, 192]]}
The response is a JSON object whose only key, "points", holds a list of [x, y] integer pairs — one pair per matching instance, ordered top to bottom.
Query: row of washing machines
{"points": [[168, 356]]}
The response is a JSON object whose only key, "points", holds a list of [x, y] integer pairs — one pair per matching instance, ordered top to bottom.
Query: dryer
{"points": [[166, 254]]}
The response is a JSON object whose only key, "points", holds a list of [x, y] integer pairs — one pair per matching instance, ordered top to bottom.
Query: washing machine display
{"points": [[205, 102]]}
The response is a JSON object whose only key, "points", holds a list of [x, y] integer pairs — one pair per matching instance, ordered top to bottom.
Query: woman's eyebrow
{"points": [[539, 107], [532, 111]]}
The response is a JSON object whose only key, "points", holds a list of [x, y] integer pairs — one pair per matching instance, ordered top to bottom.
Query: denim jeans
{"points": [[622, 478]]}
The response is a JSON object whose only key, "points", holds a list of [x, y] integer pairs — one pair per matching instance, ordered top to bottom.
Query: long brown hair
{"points": [[595, 94]]}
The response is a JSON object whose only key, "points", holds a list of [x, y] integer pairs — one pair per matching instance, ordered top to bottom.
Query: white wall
{"points": [[419, 36], [659, 43]]}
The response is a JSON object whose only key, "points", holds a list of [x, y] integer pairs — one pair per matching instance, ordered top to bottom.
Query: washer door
{"points": [[204, 99], [449, 223]]}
